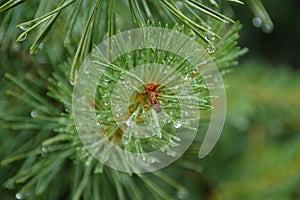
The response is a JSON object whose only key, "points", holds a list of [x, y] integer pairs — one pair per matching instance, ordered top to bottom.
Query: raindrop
{"points": [[213, 2], [179, 4], [257, 22], [25, 26], [267, 28], [210, 36], [21, 39], [41, 45], [211, 48], [202, 63], [86, 70], [195, 70], [185, 77], [122, 79], [74, 80], [105, 82], [183, 91], [105, 94], [186, 113], [33, 114], [167, 120], [128, 122], [187, 123], [177, 124], [157, 132], [176, 139], [125, 141], [172, 143], [164, 148], [44, 149], [171, 153], [141, 158], [152, 160], [182, 193], [19, 196]]}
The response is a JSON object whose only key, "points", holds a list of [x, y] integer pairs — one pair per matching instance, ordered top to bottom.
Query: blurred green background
{"points": [[258, 154]]}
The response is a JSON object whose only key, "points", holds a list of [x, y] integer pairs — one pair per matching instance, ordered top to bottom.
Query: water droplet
{"points": [[213, 2], [179, 4], [257, 22], [25, 26], [267, 28], [210, 36], [21, 39], [41, 45], [211, 48], [202, 63], [86, 70], [195, 70], [185, 77], [73, 80], [122, 80], [215, 80], [183, 91], [186, 113], [33, 114], [167, 120], [128, 122], [187, 123], [177, 124], [157, 133], [176, 139], [44, 149], [171, 153], [182, 193], [19, 196]]}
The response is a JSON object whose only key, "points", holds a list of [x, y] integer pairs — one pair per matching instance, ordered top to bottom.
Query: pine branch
{"points": [[48, 142]]}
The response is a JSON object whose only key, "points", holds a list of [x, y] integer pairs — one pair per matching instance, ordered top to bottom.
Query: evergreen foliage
{"points": [[42, 156]]}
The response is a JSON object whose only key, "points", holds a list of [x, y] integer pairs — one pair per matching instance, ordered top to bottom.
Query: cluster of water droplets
{"points": [[258, 22], [210, 36], [135, 120], [147, 122]]}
